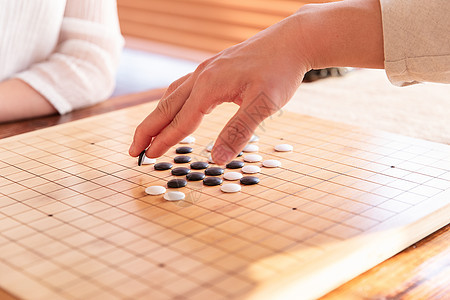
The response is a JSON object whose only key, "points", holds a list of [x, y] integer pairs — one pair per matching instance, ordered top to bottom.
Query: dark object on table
{"points": [[314, 75], [184, 150], [141, 157], [182, 159], [235, 164], [199, 165], [163, 166], [180, 171], [214, 171], [195, 176], [249, 180], [212, 181], [176, 183]]}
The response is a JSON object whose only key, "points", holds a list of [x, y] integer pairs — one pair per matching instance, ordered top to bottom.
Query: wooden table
{"points": [[421, 271]]}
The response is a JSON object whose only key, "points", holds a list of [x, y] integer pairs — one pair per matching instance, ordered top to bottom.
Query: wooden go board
{"points": [[75, 222]]}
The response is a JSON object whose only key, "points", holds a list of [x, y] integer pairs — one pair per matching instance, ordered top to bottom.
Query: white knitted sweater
{"points": [[66, 50]]}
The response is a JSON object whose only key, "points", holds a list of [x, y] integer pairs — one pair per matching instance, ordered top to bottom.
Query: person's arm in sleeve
{"points": [[416, 40], [80, 72], [261, 74]]}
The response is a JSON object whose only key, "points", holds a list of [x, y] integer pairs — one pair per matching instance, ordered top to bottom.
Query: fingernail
{"points": [[131, 150]]}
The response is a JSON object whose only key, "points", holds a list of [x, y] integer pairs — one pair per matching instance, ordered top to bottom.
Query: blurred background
{"points": [[208, 25], [166, 39]]}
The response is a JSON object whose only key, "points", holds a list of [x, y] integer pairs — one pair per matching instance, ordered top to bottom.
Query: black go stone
{"points": [[184, 150], [240, 154], [141, 157], [182, 159], [235, 164], [199, 165], [163, 166], [180, 171], [214, 171], [195, 176], [249, 180], [212, 181], [176, 183]]}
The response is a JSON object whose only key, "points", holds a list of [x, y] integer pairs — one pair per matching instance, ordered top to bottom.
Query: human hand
{"points": [[260, 75]]}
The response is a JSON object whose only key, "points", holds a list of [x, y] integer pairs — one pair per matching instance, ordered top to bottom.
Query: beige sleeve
{"points": [[416, 40], [81, 71]]}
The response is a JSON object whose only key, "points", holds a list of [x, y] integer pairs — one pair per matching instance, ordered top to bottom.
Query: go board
{"points": [[75, 222]]}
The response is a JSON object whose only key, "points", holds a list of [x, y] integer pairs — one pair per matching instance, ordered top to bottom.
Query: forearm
{"points": [[342, 34], [20, 101]]}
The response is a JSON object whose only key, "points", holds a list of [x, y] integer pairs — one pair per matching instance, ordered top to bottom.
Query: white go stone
{"points": [[254, 138], [188, 140], [209, 148], [251, 148], [284, 148], [252, 158], [210, 160], [148, 161], [271, 163], [249, 169], [232, 176], [230, 188], [155, 190], [174, 196]]}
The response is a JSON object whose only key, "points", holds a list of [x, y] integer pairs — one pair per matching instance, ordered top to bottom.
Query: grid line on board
{"points": [[75, 221]]}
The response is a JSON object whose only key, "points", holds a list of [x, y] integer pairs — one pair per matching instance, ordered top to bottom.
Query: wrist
{"points": [[299, 43], [307, 45]]}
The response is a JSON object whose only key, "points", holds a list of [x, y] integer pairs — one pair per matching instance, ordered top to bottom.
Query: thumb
{"points": [[255, 107]]}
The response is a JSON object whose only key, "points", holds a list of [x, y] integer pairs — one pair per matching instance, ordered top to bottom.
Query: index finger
{"points": [[162, 115], [184, 123]]}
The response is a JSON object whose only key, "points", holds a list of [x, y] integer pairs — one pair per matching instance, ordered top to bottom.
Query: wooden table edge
{"points": [[115, 103]]}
